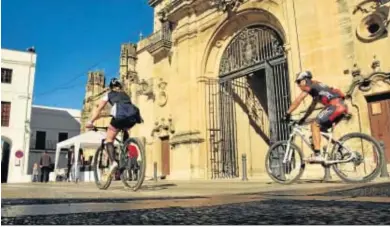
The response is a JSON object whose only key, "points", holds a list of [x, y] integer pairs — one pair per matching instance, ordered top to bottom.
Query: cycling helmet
{"points": [[303, 76], [114, 82]]}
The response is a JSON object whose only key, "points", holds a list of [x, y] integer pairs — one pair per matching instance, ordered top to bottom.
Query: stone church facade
{"points": [[216, 76]]}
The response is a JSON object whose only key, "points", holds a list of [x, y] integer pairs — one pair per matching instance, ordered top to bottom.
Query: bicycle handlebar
{"points": [[95, 128]]}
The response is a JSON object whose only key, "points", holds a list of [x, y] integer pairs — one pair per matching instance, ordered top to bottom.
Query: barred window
{"points": [[6, 75], [5, 113]]}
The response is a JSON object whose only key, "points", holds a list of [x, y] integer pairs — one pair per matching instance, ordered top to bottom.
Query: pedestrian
{"points": [[69, 163], [45, 164], [35, 172], [75, 173]]}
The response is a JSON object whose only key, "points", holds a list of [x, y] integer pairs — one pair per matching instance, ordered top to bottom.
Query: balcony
{"points": [[158, 44], [48, 145]]}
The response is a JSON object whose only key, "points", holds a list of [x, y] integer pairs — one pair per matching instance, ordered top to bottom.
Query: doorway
{"points": [[253, 76], [379, 114], [5, 155], [165, 156]]}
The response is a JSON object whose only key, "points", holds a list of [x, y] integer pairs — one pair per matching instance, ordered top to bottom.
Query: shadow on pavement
{"points": [[147, 187], [376, 190], [29, 201]]}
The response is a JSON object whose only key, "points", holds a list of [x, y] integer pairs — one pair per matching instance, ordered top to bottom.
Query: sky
{"points": [[72, 37]]}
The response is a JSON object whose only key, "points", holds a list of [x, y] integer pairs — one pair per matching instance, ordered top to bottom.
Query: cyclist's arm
{"points": [[297, 102], [99, 109], [310, 109]]}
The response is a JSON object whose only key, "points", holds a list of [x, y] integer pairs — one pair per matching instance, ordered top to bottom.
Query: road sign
{"points": [[19, 154]]}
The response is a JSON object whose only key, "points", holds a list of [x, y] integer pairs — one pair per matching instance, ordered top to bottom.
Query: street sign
{"points": [[19, 154]]}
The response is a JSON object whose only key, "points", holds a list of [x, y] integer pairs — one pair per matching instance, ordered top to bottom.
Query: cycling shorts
{"points": [[332, 113], [123, 124]]}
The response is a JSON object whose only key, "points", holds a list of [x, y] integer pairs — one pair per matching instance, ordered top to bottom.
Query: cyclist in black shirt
{"points": [[124, 116]]}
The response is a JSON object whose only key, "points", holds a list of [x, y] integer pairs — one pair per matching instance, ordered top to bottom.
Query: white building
{"points": [[17, 84], [49, 126]]}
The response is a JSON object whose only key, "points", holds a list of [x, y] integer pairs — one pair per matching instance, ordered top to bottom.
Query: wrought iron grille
{"points": [[252, 46], [253, 77]]}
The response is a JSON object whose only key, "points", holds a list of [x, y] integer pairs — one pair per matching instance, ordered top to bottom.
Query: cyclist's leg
{"points": [[319, 124], [112, 132]]}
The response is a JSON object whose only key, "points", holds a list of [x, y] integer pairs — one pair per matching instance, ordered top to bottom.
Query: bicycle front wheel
{"points": [[367, 162], [101, 169], [284, 173], [134, 174]]}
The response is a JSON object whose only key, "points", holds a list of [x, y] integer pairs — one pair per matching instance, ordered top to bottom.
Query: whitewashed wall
{"points": [[19, 93]]}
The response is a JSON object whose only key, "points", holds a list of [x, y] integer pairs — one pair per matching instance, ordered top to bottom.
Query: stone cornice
{"points": [[153, 3], [187, 137]]}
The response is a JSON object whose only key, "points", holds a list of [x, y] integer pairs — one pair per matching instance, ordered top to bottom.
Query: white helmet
{"points": [[303, 75]]}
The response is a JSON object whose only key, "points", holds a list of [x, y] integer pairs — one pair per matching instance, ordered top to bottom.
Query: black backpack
{"points": [[124, 107]]}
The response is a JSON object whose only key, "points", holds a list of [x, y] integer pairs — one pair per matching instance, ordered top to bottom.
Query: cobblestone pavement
{"points": [[345, 204], [271, 211]]}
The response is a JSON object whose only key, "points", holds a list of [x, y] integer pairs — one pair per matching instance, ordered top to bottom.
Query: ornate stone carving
{"points": [[226, 5], [375, 21], [132, 77], [365, 82], [145, 87], [162, 96], [162, 128], [188, 137]]}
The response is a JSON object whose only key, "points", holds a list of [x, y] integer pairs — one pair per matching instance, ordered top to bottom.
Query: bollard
{"points": [[155, 171], [384, 172], [327, 176], [244, 177]]}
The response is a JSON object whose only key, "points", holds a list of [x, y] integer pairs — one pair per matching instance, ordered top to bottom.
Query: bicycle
{"points": [[340, 154], [131, 166]]}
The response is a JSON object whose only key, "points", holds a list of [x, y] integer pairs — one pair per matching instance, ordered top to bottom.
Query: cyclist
{"points": [[331, 98], [124, 116]]}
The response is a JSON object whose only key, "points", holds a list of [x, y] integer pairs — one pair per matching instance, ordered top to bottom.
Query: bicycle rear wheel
{"points": [[368, 161], [101, 169], [284, 173], [134, 174]]}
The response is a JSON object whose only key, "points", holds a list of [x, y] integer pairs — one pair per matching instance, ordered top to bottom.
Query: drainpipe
{"points": [[354, 105], [27, 121]]}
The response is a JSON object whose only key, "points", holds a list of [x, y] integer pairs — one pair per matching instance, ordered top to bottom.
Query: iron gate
{"points": [[256, 52]]}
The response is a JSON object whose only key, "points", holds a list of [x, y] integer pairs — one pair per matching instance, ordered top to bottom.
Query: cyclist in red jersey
{"points": [[331, 98]]}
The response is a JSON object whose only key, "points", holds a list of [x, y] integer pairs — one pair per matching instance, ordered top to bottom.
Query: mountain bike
{"points": [[285, 158], [132, 163]]}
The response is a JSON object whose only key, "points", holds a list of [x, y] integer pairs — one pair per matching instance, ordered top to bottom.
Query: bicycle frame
{"points": [[299, 130]]}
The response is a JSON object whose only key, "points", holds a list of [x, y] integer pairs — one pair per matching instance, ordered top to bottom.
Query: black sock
{"points": [[111, 151], [317, 152]]}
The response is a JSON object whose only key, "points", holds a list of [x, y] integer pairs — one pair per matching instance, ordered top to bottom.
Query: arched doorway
{"points": [[253, 76], [5, 155]]}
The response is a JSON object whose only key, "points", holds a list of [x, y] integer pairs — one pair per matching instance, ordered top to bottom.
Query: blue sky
{"points": [[70, 37]]}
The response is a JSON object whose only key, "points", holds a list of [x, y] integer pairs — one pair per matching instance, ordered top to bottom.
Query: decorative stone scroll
{"points": [[365, 82]]}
